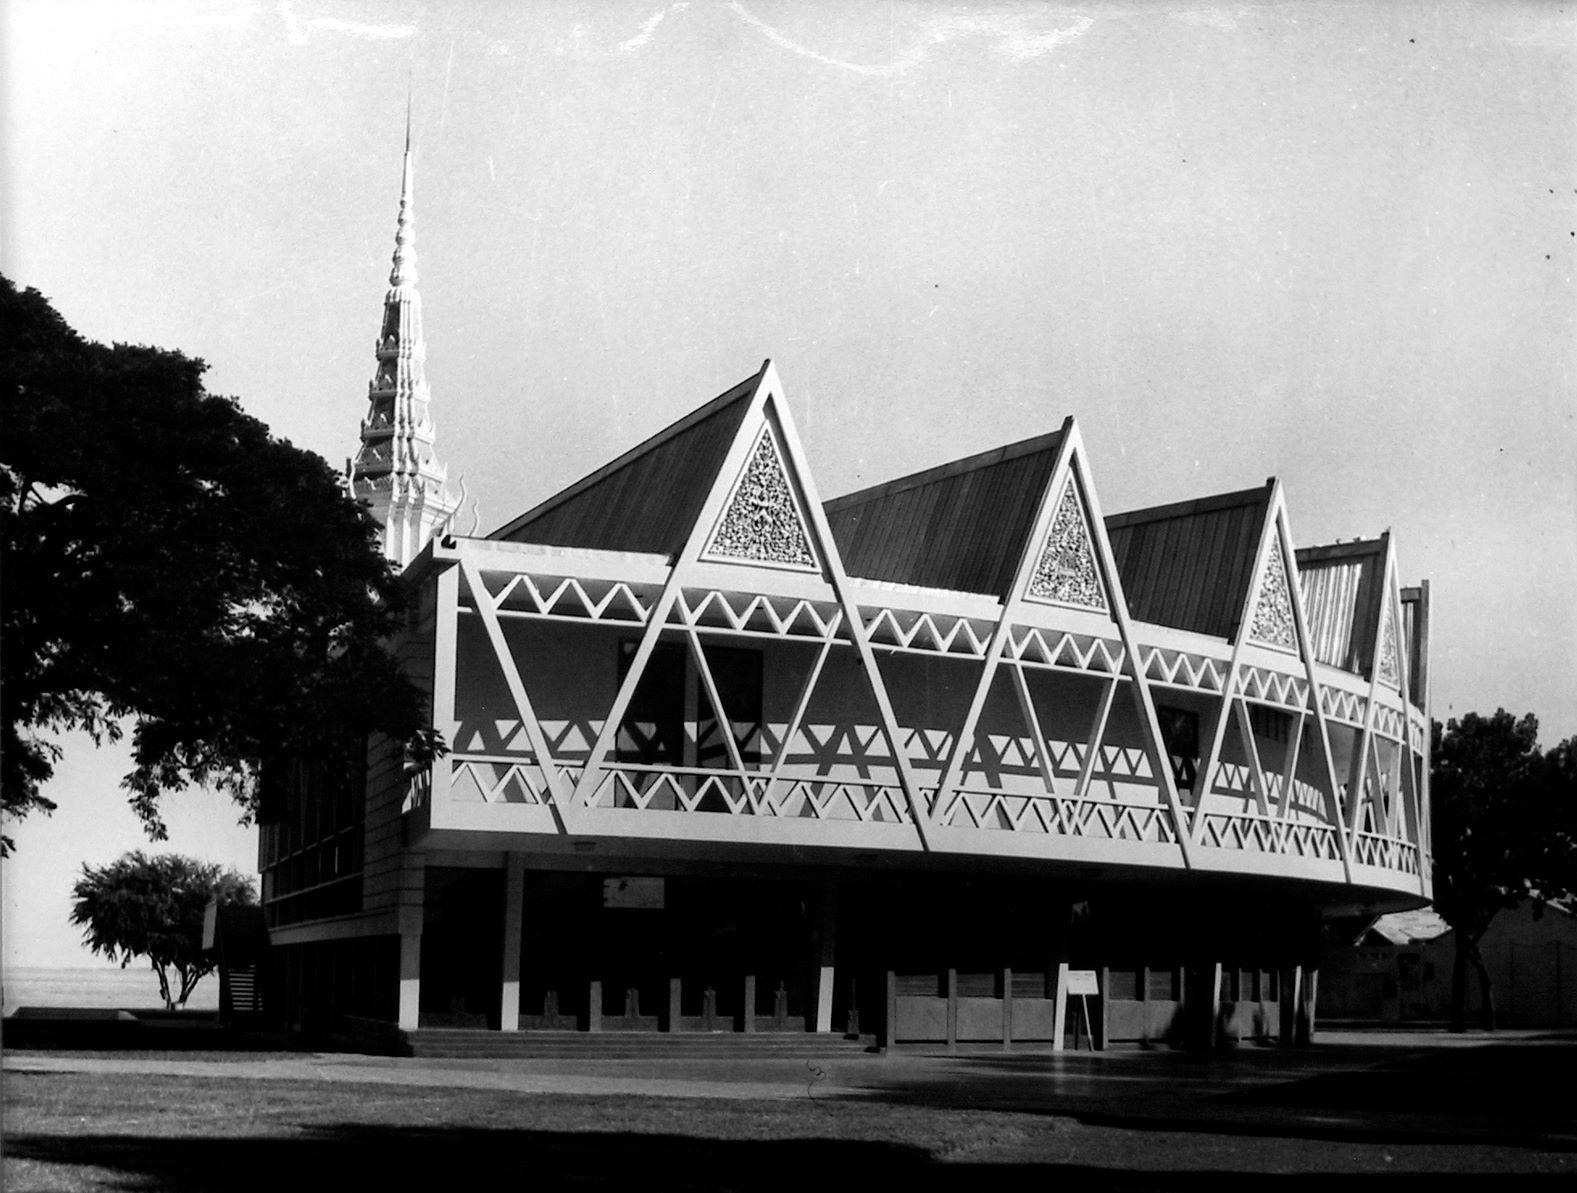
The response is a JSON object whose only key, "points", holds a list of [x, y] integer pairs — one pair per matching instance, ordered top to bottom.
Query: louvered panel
{"points": [[1341, 587]]}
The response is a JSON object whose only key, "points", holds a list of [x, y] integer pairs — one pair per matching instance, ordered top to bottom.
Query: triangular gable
{"points": [[756, 506], [614, 509], [762, 521], [959, 526], [1189, 565], [1065, 571], [1271, 623]]}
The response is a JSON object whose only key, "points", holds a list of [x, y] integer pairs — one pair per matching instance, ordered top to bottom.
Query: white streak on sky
{"points": [[650, 27], [299, 30], [1011, 32], [878, 71], [443, 110]]}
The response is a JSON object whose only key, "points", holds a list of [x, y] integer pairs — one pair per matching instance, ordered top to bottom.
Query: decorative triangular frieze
{"points": [[761, 521], [1065, 573], [1273, 624]]}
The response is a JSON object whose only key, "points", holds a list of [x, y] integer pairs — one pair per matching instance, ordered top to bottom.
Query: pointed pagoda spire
{"points": [[396, 471]]}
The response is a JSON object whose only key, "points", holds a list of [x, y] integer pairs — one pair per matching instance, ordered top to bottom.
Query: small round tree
{"points": [[140, 906]]}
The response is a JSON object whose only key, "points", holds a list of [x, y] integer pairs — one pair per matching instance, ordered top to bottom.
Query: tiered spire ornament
{"points": [[396, 472]]}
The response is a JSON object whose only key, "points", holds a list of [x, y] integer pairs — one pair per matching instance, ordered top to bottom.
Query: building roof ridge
{"points": [[651, 443], [950, 468]]}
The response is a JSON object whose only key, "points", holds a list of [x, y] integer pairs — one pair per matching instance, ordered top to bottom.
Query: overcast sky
{"points": [[1329, 243]]}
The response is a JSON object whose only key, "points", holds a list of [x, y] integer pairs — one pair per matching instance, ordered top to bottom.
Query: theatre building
{"points": [[729, 757]]}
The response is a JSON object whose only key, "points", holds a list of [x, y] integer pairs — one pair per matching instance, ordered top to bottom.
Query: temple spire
{"points": [[396, 470]]}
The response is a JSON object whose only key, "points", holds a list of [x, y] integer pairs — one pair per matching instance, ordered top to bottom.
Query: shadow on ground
{"points": [[92, 1030], [1519, 1095], [370, 1157]]}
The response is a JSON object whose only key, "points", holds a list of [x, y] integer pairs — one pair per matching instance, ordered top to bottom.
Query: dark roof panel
{"points": [[649, 498], [959, 526], [1188, 565]]}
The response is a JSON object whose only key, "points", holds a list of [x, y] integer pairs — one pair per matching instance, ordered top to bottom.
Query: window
{"points": [[737, 674], [1269, 724], [652, 732], [1180, 733], [1162, 985]]}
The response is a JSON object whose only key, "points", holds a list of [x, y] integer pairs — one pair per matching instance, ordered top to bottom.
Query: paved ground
{"points": [[1407, 1083], [1422, 1109]]}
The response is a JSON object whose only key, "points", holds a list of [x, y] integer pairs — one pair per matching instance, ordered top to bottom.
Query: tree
{"points": [[169, 565], [1505, 831], [153, 907]]}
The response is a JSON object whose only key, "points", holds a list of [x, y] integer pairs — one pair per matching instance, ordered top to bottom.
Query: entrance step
{"points": [[579, 1045]]}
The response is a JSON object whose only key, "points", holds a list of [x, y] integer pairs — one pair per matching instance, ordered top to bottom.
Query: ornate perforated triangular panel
{"points": [[761, 520], [1066, 574], [1273, 624], [1390, 664]]}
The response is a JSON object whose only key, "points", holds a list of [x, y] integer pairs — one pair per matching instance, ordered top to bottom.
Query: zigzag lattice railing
{"points": [[515, 780], [696, 789], [1055, 815], [1251, 833], [1386, 853]]}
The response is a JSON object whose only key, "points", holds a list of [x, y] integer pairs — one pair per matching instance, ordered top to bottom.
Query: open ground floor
{"points": [[903, 956]]}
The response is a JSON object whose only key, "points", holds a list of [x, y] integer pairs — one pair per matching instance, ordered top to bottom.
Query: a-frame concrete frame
{"points": [[1069, 474], [1275, 540], [694, 565], [486, 606], [1408, 804]]}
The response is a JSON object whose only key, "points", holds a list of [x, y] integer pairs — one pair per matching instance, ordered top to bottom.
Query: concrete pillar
{"points": [[514, 913], [826, 951], [410, 980], [1290, 1001], [952, 1008], [1059, 1008], [1007, 1009], [890, 1012], [1101, 1020], [749, 1024], [1212, 1034]]}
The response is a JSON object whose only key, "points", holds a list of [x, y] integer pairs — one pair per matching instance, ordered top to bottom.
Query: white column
{"points": [[514, 910], [827, 950], [410, 980], [1059, 1008]]}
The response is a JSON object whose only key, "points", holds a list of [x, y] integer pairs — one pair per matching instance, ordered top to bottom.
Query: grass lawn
{"points": [[73, 1131]]}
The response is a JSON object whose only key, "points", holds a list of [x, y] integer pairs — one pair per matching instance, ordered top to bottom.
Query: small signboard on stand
{"points": [[1080, 984]]}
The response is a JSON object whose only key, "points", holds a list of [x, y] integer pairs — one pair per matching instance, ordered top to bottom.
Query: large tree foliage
{"points": [[169, 565], [1505, 831], [153, 907]]}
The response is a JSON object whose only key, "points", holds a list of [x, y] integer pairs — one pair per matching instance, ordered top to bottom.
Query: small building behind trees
{"points": [[1399, 970]]}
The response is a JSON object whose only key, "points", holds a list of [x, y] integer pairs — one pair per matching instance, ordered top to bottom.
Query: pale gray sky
{"points": [[1331, 243]]}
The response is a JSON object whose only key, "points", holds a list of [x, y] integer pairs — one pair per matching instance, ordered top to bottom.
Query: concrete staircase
{"points": [[578, 1045]]}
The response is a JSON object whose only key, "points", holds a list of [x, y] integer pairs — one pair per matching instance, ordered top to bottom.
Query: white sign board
{"points": [[633, 894], [1082, 981]]}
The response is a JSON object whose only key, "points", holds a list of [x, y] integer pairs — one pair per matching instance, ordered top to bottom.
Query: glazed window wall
{"points": [[310, 829]]}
